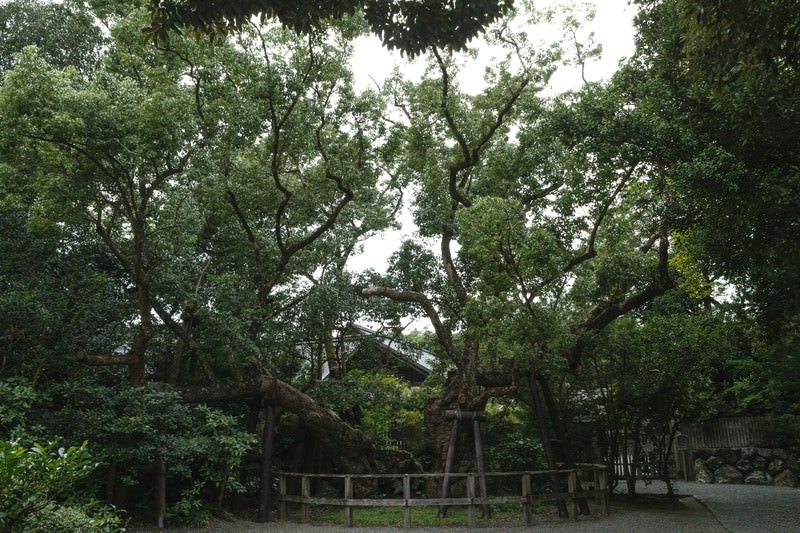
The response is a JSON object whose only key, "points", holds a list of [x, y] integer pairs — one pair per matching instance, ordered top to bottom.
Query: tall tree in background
{"points": [[65, 33], [719, 84], [217, 178]]}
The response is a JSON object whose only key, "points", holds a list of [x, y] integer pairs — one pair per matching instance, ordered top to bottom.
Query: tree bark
{"points": [[265, 500]]}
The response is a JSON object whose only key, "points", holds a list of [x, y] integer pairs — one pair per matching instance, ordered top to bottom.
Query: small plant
{"points": [[190, 508]]}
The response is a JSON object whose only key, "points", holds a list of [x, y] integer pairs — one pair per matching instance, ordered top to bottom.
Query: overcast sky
{"points": [[612, 27]]}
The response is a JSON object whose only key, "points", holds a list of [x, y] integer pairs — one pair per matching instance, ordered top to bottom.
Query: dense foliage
{"points": [[410, 27], [177, 215]]}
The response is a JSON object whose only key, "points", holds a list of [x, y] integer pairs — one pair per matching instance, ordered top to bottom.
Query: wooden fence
{"points": [[727, 432], [646, 470], [583, 481]]}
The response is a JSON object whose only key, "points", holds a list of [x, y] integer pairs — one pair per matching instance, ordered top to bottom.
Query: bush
{"points": [[16, 399], [783, 430], [509, 442], [32, 478], [70, 519]]}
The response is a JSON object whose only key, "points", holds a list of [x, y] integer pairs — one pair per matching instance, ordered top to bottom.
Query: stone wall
{"points": [[754, 466]]}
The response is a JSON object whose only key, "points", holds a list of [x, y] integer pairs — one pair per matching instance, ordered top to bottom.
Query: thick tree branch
{"points": [[444, 106], [277, 124], [469, 155], [590, 250], [450, 267], [423, 301], [603, 314], [323, 423]]}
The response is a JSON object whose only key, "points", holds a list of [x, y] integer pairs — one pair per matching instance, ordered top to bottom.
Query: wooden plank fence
{"points": [[727, 432], [596, 488]]}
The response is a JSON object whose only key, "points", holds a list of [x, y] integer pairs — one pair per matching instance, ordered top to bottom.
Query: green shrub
{"points": [[16, 399], [132, 428], [32, 478], [190, 509], [70, 519]]}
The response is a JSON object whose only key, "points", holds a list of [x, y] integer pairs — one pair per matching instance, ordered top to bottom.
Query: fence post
{"points": [[572, 482], [604, 487], [597, 489], [161, 491], [282, 492], [305, 492], [526, 493], [348, 495], [407, 497], [471, 497]]}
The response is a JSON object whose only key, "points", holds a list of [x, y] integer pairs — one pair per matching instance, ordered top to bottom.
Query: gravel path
{"points": [[744, 508]]}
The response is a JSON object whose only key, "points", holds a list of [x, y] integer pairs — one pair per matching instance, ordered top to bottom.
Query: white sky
{"points": [[612, 27]]}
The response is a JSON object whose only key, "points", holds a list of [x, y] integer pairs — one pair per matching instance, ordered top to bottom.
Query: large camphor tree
{"points": [[545, 232]]}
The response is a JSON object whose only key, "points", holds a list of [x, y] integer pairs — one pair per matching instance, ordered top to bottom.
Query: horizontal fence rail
{"points": [[583, 481]]}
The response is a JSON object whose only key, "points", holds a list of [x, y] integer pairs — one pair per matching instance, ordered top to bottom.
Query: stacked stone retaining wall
{"points": [[752, 466]]}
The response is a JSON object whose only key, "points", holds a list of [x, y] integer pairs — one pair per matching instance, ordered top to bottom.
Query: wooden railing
{"points": [[595, 486]]}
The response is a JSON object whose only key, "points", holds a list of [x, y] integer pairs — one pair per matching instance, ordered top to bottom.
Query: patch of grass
{"points": [[648, 502], [420, 516]]}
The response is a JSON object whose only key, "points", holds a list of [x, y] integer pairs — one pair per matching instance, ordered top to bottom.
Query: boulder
{"points": [[748, 453], [780, 453], [728, 455], [714, 462], [745, 466], [776, 466], [701, 473], [727, 474], [758, 478], [787, 478]]}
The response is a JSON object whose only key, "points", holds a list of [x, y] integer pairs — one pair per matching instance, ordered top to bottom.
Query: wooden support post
{"points": [[560, 433], [267, 440], [549, 452], [448, 467], [572, 484], [161, 491], [282, 492], [305, 492], [526, 493], [348, 495], [407, 497], [486, 510], [471, 522]]}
